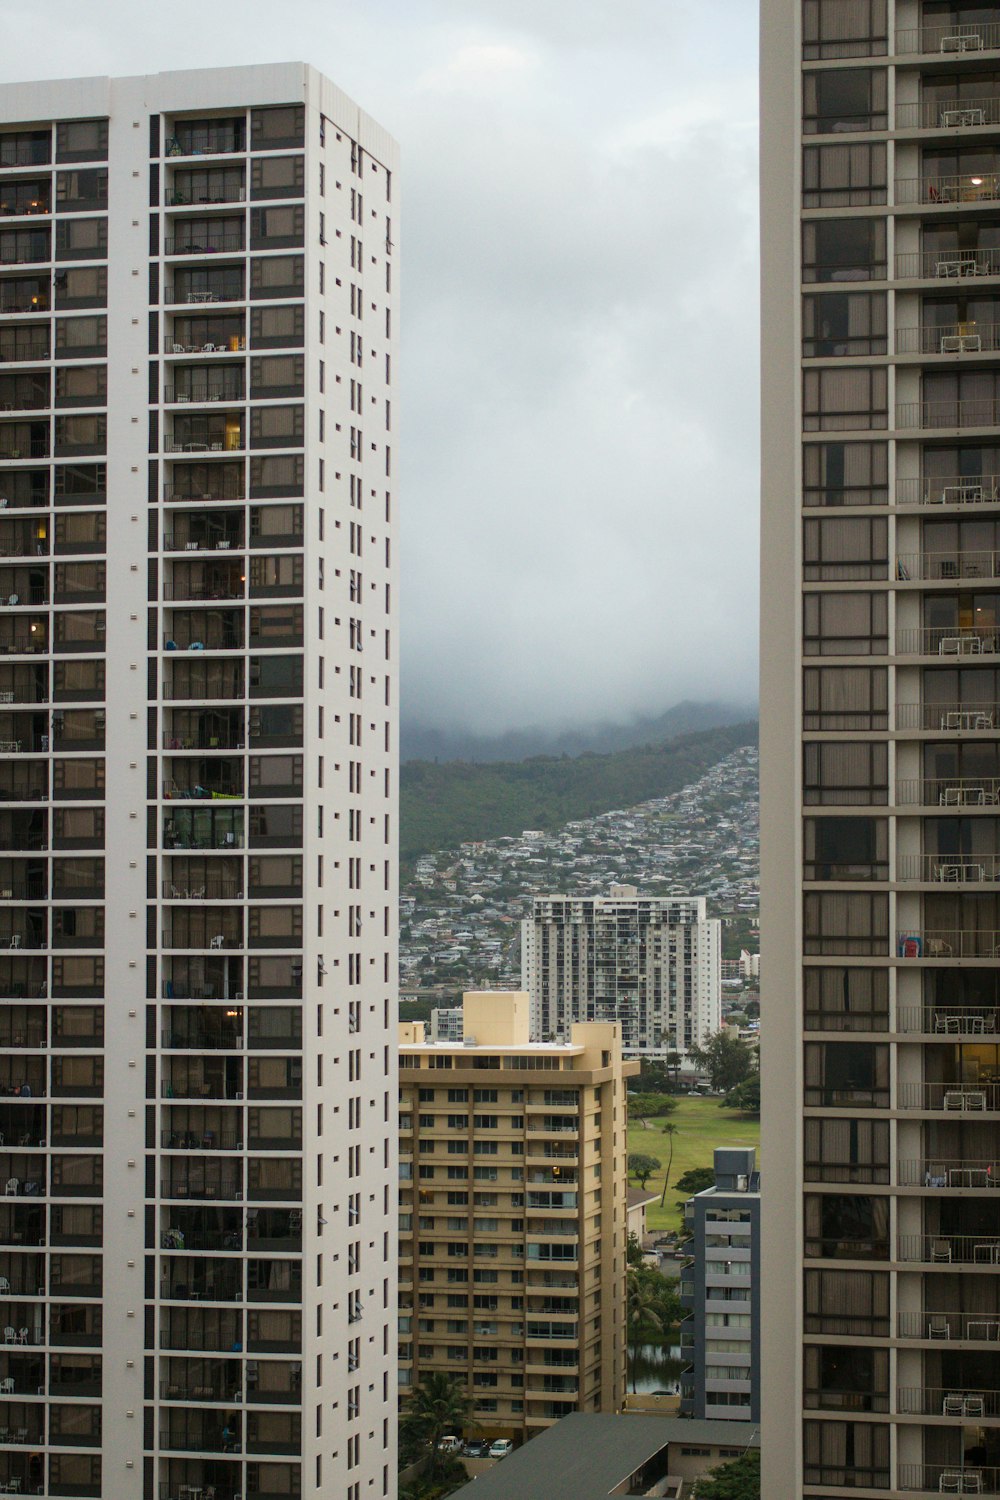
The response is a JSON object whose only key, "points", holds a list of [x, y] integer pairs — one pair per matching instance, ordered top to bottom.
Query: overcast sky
{"points": [[579, 385]]}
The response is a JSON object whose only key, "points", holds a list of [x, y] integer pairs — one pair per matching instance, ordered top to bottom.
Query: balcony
{"points": [[948, 40], [948, 114], [953, 188], [212, 241], [224, 290], [949, 338], [24, 345], [203, 387], [951, 415], [946, 566], [948, 640], [963, 718], [949, 791], [951, 869], [947, 942], [970, 1020], [952, 1098], [948, 1172], [967, 1327], [936, 1401], [949, 1479]]}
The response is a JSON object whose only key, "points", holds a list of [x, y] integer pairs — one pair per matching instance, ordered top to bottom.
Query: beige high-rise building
{"points": [[198, 281], [881, 747], [513, 1204]]}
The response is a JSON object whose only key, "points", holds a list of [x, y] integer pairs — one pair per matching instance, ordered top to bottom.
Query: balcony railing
{"points": [[949, 38], [948, 114], [950, 187], [214, 244], [947, 265], [185, 297], [949, 338], [232, 345], [205, 391], [958, 414], [951, 489], [945, 566], [948, 640], [963, 717], [949, 791], [952, 869], [948, 942], [934, 1020], [952, 1098], [948, 1172], [949, 1249], [974, 1327], [939, 1401], [949, 1479]]}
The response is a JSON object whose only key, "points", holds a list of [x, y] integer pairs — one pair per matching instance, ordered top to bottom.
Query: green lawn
{"points": [[701, 1126]]}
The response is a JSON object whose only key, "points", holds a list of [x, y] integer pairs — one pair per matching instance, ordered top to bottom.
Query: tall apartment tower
{"points": [[198, 274], [881, 746], [651, 963], [513, 1205], [721, 1290]]}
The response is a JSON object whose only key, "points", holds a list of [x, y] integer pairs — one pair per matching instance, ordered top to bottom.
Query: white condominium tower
{"points": [[198, 273], [880, 748], [650, 962]]}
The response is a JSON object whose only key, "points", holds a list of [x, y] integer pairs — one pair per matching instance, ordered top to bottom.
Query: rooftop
{"points": [[591, 1455]]}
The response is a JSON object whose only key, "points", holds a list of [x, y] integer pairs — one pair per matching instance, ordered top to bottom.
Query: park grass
{"points": [[702, 1125]]}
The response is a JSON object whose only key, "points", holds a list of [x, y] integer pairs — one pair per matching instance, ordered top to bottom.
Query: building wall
{"points": [[230, 710], [879, 871], [652, 963], [513, 1217]]}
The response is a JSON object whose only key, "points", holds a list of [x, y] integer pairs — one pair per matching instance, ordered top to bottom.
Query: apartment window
{"points": [[844, 28], [839, 100], [272, 128], [844, 176], [277, 177], [82, 190], [279, 227], [84, 239], [844, 250], [277, 276], [835, 324], [277, 327], [78, 338], [843, 399], [845, 474], [845, 549], [845, 624], [839, 698], [837, 773], [845, 923], [845, 999], [846, 1074], [847, 1151], [846, 1226], [852, 1303], [847, 1376], [846, 1454]]}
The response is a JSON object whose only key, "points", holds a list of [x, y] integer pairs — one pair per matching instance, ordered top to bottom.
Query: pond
{"points": [[657, 1368]]}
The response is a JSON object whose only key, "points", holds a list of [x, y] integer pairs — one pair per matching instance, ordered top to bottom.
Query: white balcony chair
{"points": [[218, 941], [13, 1187], [10, 1335]]}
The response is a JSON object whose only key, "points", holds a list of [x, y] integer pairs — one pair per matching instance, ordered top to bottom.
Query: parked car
{"points": [[449, 1444], [476, 1448], [501, 1448]]}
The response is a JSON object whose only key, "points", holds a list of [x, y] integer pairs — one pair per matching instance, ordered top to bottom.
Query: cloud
{"points": [[579, 374]]}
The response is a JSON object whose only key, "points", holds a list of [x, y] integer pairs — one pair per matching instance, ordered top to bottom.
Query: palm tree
{"points": [[669, 1130], [641, 1317], [437, 1406]]}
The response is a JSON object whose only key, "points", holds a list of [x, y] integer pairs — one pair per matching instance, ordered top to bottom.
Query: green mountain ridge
{"points": [[457, 802]]}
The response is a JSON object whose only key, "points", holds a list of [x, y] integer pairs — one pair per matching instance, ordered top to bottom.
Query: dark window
{"points": [[844, 28], [837, 100], [844, 176], [844, 250], [843, 323], [845, 474], [845, 549], [846, 849], [845, 923], [845, 999], [847, 1075], [846, 1226], [854, 1303], [847, 1377], [853, 1455]]}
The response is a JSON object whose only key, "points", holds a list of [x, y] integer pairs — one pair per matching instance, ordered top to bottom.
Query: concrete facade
{"points": [[197, 761], [652, 963], [513, 1209]]}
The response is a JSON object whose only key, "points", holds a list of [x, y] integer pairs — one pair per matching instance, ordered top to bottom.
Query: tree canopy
{"points": [[726, 1059], [745, 1096], [642, 1166], [695, 1180], [737, 1480]]}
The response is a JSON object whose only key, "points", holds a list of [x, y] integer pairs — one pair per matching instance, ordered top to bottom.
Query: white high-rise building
{"points": [[198, 277], [651, 962]]}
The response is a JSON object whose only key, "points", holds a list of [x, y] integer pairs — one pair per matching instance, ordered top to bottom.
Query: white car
{"points": [[501, 1448]]}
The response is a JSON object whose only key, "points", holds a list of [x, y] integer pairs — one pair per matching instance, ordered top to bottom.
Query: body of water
{"points": [[657, 1368]]}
